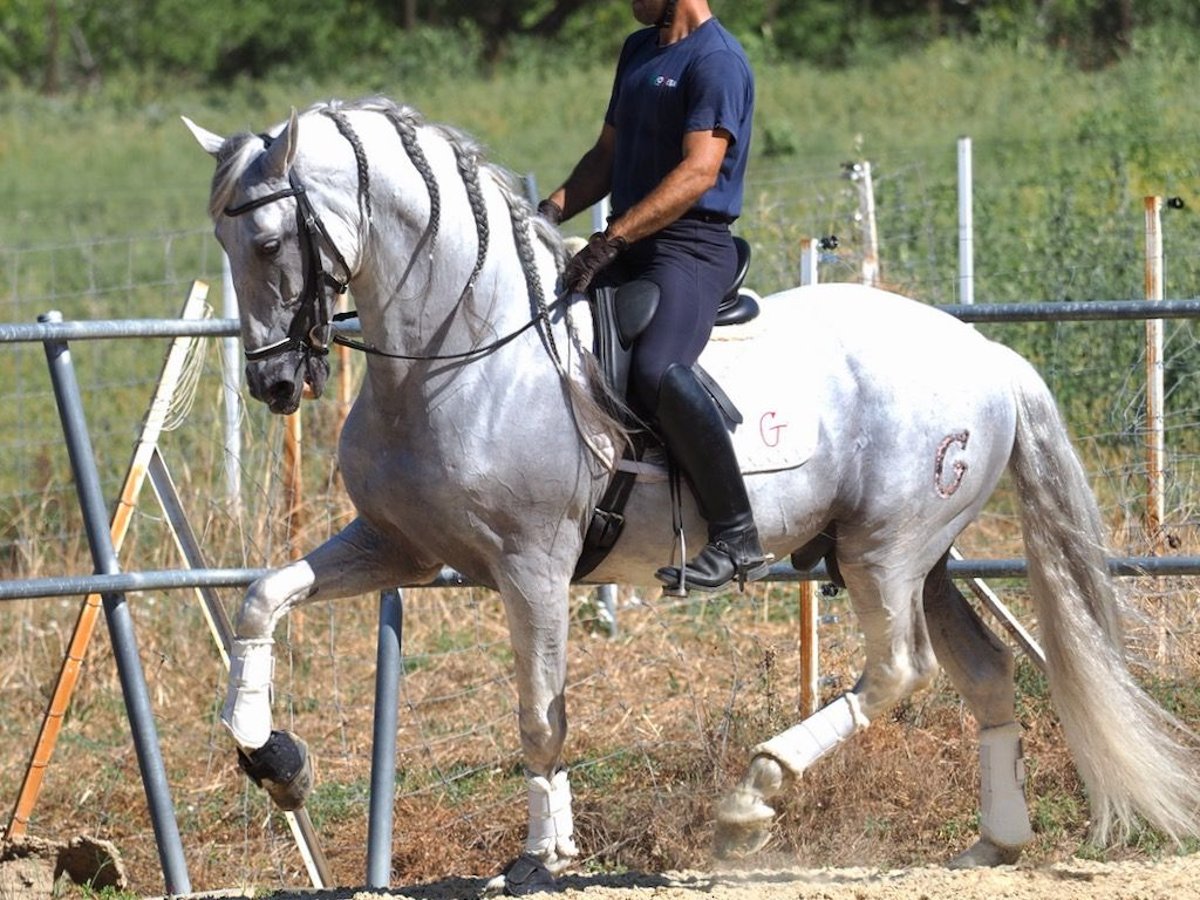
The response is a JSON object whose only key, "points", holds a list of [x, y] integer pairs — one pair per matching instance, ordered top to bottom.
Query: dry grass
{"points": [[661, 719]]}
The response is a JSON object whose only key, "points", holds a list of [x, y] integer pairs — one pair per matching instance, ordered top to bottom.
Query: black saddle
{"points": [[620, 314]]}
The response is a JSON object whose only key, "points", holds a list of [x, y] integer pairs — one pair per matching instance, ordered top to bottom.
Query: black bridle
{"points": [[311, 331]]}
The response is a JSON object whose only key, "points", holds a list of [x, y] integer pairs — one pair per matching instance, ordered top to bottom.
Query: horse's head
{"points": [[284, 259]]}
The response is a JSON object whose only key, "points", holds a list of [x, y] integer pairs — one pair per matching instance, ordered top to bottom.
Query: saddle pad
{"points": [[780, 422], [779, 430]]}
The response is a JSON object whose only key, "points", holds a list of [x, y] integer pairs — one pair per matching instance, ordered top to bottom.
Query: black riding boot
{"points": [[694, 430]]}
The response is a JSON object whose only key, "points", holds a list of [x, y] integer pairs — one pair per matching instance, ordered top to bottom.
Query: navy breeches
{"points": [[692, 262]]}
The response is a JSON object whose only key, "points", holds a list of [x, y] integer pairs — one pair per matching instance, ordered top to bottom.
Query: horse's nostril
{"points": [[281, 390]]}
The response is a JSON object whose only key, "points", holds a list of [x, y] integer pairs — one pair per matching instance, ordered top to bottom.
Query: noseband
{"points": [[310, 331]]}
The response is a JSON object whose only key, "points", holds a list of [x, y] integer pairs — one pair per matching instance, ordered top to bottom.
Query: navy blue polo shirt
{"points": [[661, 93]]}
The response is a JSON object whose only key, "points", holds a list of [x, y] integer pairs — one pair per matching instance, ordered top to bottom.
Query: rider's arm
{"points": [[703, 154], [591, 178]]}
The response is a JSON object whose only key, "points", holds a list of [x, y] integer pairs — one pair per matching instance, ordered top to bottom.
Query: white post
{"points": [[860, 174], [966, 224], [809, 257], [231, 384], [1155, 440]]}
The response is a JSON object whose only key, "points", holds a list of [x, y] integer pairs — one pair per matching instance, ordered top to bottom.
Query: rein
{"points": [[473, 353]]}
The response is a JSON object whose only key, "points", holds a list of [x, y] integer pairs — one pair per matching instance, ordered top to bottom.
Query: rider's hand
{"points": [[550, 211], [587, 263]]}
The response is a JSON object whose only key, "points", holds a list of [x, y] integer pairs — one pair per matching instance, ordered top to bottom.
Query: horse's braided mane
{"points": [[240, 150]]}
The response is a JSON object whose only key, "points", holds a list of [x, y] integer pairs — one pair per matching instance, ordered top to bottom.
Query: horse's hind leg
{"points": [[355, 561], [899, 661], [981, 669]]}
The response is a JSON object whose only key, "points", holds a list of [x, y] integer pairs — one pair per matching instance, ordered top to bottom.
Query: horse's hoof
{"points": [[281, 767], [744, 807], [743, 824], [733, 841], [985, 854], [524, 875]]}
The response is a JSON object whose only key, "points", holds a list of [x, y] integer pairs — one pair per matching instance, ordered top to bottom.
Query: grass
{"points": [[661, 719]]}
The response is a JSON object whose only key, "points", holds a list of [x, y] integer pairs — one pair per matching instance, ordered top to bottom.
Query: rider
{"points": [[672, 153]]}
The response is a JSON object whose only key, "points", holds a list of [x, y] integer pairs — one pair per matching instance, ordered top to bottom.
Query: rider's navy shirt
{"points": [[661, 93]]}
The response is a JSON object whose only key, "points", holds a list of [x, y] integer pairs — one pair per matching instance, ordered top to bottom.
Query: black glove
{"points": [[550, 211], [587, 263]]}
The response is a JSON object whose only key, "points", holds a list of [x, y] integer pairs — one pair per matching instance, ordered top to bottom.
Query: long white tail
{"points": [[1135, 758]]}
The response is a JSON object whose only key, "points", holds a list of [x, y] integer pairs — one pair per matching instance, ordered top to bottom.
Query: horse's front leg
{"points": [[355, 561], [538, 617]]}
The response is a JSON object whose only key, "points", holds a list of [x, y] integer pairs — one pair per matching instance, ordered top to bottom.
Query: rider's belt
{"points": [[712, 218]]}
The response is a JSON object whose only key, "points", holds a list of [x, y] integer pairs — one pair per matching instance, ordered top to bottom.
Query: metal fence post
{"points": [[966, 223], [1155, 439], [117, 615], [383, 740]]}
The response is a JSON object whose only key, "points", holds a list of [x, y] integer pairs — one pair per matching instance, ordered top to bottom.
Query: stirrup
{"points": [[681, 579]]}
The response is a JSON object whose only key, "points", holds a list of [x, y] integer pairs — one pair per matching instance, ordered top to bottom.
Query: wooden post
{"points": [[860, 174], [1155, 440], [293, 480], [293, 494], [810, 693]]}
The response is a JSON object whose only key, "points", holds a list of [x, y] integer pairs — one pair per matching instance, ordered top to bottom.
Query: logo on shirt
{"points": [[664, 81]]}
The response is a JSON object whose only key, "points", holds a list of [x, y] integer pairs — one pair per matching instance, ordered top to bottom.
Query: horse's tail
{"points": [[1134, 757]]}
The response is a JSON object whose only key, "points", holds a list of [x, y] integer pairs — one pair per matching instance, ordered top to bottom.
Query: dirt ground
{"points": [[1177, 878]]}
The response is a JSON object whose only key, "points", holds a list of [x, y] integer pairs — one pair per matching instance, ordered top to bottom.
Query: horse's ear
{"points": [[206, 139], [283, 149]]}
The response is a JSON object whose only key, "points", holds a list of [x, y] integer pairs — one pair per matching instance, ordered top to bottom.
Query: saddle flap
{"points": [[635, 305], [738, 311]]}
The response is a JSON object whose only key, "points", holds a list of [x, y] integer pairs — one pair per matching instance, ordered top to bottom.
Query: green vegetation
{"points": [[61, 44]]}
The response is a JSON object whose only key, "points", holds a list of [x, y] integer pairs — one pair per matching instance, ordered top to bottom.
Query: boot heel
{"points": [[754, 570]]}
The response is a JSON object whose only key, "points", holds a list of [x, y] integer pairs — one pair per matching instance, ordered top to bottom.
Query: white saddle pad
{"points": [[779, 420]]}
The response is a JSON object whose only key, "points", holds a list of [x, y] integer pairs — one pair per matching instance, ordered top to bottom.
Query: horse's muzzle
{"points": [[279, 380]]}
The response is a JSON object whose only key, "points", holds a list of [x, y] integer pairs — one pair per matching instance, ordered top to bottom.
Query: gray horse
{"points": [[874, 429]]}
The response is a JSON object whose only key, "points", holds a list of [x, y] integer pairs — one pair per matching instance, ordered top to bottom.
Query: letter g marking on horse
{"points": [[768, 430], [943, 488]]}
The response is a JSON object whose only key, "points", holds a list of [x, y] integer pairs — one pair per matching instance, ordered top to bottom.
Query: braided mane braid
{"points": [[407, 130], [360, 158], [468, 167]]}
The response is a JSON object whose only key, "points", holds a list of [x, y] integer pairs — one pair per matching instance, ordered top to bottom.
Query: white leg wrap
{"points": [[247, 709], [802, 745], [1004, 816], [551, 827]]}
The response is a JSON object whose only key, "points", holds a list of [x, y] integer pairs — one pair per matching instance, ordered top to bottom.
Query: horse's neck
{"points": [[419, 298]]}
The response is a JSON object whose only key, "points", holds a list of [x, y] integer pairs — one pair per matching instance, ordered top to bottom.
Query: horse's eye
{"points": [[269, 247]]}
